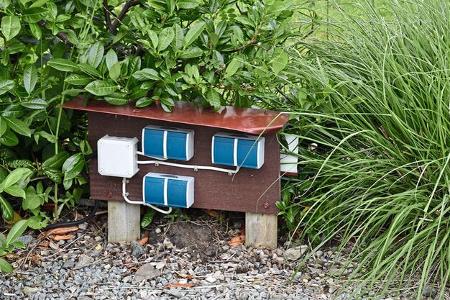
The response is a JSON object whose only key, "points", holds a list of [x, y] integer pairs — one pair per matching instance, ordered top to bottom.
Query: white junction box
{"points": [[117, 156]]}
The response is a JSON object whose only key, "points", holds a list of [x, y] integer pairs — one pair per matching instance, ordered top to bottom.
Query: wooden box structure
{"points": [[253, 191]]}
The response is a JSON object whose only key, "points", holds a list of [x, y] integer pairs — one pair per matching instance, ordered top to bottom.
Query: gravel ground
{"points": [[186, 260]]}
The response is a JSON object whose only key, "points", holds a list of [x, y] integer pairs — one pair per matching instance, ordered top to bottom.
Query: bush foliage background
{"points": [[212, 53]]}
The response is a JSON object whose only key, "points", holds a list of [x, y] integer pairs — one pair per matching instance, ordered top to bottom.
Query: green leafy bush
{"points": [[212, 53], [378, 178]]}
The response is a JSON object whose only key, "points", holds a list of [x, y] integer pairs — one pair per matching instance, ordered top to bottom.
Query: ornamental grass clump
{"points": [[379, 178]]}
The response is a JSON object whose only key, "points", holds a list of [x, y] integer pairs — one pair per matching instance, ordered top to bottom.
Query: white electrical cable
{"points": [[142, 153], [194, 167], [125, 197]]}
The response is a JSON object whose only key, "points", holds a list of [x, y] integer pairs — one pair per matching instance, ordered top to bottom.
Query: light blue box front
{"points": [[153, 142], [167, 143], [176, 145], [235, 150], [223, 153], [247, 153], [153, 190], [168, 190], [176, 193]]}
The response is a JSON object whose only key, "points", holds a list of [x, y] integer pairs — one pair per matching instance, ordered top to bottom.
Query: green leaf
{"points": [[4, 3], [39, 3], [188, 4], [10, 27], [35, 30], [194, 32], [179, 37], [154, 38], [165, 38], [191, 52], [95, 54], [111, 58], [280, 62], [62, 64], [232, 67], [89, 70], [114, 71], [146, 74], [30, 78], [78, 79], [6, 86], [101, 87], [72, 92], [213, 98], [117, 99], [143, 102], [37, 104], [3, 126], [18, 126], [49, 137], [9, 138], [56, 161], [73, 166], [53, 175], [14, 177], [15, 191], [32, 200], [7, 210], [147, 219], [37, 222], [16, 231], [5, 266]]}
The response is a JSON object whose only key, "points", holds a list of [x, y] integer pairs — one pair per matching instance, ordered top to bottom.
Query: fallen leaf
{"points": [[213, 213], [61, 230], [63, 237], [237, 240], [143, 241], [44, 244], [185, 276], [178, 285]]}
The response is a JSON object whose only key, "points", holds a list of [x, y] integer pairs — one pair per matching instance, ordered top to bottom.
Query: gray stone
{"points": [[26, 239], [136, 249], [295, 253], [84, 261], [146, 272], [28, 290]]}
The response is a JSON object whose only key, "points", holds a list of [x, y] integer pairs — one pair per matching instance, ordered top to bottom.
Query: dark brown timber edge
{"points": [[250, 190]]}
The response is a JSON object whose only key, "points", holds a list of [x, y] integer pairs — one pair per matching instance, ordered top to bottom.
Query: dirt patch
{"points": [[201, 240]]}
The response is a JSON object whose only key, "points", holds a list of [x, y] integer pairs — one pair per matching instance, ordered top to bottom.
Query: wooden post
{"points": [[123, 221], [261, 230]]}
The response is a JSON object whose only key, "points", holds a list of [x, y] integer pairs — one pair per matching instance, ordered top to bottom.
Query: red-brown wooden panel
{"points": [[248, 120], [248, 191]]}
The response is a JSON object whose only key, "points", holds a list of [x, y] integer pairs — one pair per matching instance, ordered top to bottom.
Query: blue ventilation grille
{"points": [[168, 143], [238, 150], [168, 190]]}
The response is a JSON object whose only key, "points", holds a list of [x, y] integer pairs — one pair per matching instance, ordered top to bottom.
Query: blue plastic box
{"points": [[168, 143], [238, 150], [168, 190]]}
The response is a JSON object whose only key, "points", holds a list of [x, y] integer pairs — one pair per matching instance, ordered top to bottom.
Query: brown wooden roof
{"points": [[248, 120]]}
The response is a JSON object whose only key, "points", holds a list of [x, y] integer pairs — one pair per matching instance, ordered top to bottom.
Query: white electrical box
{"points": [[117, 156]]}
